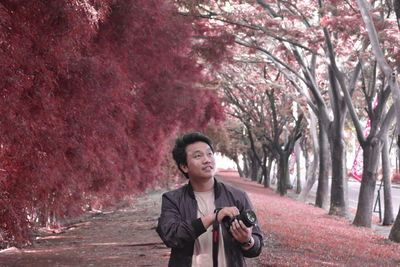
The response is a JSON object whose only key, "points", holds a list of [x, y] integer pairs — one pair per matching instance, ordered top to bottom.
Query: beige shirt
{"points": [[202, 254]]}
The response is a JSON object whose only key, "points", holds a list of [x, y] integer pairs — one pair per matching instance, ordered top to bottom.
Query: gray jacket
{"points": [[178, 225]]}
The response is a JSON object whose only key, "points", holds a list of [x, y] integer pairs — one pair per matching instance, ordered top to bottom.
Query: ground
{"points": [[127, 237]]}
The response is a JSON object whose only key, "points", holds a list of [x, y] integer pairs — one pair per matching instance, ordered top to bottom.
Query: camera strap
{"points": [[215, 242]]}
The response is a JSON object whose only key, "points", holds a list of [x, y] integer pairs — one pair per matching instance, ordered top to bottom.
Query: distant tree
{"points": [[246, 102], [264, 107], [228, 140], [282, 145], [297, 149], [311, 167]]}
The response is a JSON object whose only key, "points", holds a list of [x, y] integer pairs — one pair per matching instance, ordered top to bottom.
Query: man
{"points": [[191, 216]]}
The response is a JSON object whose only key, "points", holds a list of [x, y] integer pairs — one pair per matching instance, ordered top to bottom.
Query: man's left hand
{"points": [[240, 232]]}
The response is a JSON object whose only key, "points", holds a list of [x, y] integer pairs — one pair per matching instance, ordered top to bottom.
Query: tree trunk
{"points": [[308, 164], [246, 165], [254, 166], [298, 167], [263, 168], [312, 168], [240, 171], [274, 172], [259, 173], [283, 174], [311, 177], [267, 178], [323, 182], [366, 196], [339, 203], [388, 217], [395, 231]]}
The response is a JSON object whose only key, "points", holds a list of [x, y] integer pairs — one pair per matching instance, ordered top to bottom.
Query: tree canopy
{"points": [[91, 92]]}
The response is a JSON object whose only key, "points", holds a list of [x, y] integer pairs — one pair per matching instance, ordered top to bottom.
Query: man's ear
{"points": [[184, 168]]}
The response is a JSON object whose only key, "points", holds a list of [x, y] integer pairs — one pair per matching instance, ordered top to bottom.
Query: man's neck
{"points": [[203, 186]]}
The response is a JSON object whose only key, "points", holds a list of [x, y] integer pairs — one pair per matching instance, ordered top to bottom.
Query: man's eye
{"points": [[197, 156]]}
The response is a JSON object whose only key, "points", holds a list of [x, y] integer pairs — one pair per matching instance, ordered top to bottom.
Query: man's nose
{"points": [[207, 158]]}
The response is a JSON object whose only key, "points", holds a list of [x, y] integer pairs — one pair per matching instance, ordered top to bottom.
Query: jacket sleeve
{"points": [[173, 229], [256, 233]]}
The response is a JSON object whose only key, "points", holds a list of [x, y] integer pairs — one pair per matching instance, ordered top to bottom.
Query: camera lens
{"points": [[248, 217]]}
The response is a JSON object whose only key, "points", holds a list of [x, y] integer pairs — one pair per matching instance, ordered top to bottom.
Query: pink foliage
{"points": [[91, 92]]}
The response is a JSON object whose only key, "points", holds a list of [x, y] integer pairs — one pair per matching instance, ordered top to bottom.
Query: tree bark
{"points": [[254, 166], [246, 167], [298, 167], [312, 168], [240, 171], [283, 173], [267, 178], [323, 181], [366, 196], [339, 203], [388, 217], [395, 231]]}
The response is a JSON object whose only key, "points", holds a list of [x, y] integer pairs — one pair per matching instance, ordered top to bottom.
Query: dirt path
{"points": [[127, 237]]}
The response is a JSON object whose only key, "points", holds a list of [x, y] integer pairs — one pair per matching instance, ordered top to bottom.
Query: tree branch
{"points": [[268, 8], [391, 75], [347, 97]]}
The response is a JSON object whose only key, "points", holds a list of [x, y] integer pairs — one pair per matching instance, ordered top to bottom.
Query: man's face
{"points": [[200, 161]]}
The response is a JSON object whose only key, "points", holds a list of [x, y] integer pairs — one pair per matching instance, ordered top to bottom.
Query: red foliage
{"points": [[90, 93]]}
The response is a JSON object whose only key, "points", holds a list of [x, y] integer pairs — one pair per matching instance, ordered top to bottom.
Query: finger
{"points": [[234, 210], [228, 212], [242, 225], [234, 226], [239, 229], [234, 233]]}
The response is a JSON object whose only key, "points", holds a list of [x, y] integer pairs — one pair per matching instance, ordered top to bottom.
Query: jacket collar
{"points": [[217, 189]]}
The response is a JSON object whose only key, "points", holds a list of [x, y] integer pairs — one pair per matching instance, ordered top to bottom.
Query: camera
{"points": [[248, 217]]}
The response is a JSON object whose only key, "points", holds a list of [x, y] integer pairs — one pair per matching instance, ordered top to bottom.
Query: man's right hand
{"points": [[227, 211]]}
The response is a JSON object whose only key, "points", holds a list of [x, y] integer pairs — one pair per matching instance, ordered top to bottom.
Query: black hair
{"points": [[179, 151]]}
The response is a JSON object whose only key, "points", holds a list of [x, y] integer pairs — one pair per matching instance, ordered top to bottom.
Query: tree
{"points": [[311, 45], [392, 85], [90, 93], [253, 100], [246, 103], [227, 139], [372, 144], [283, 148], [297, 150], [311, 167], [388, 217], [395, 231]]}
